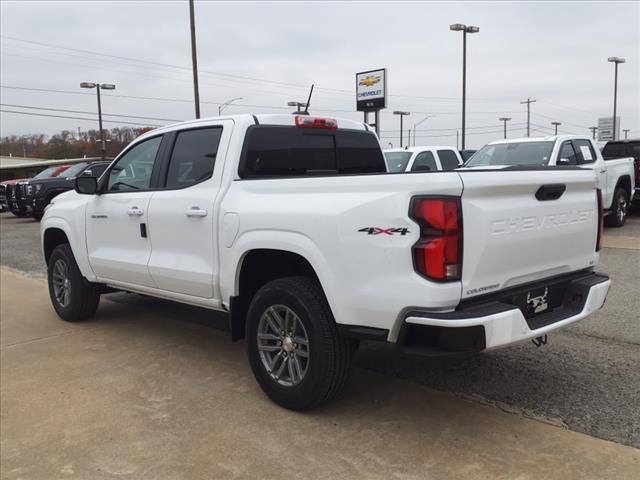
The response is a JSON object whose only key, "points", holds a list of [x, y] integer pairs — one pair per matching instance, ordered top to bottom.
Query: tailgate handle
{"points": [[550, 192]]}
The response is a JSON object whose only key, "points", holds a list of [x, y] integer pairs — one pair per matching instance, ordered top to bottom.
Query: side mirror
{"points": [[86, 185]]}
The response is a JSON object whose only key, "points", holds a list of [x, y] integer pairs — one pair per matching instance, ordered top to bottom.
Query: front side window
{"points": [[515, 153], [567, 155], [193, 157], [448, 159], [397, 161], [424, 162], [95, 170], [133, 170]]}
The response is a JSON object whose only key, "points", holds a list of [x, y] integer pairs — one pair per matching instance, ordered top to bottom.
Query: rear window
{"points": [[619, 150], [277, 151], [397, 161]]}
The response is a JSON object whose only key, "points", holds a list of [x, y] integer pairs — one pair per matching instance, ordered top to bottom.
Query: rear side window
{"points": [[613, 150], [274, 151], [586, 154], [567, 155], [193, 157], [448, 159], [424, 162]]}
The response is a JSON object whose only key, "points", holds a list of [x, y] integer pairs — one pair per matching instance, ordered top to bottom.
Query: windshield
{"points": [[520, 153], [397, 161], [74, 171], [46, 172]]}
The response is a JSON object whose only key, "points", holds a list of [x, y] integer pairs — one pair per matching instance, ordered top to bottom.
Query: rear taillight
{"points": [[316, 122], [600, 219], [438, 253]]}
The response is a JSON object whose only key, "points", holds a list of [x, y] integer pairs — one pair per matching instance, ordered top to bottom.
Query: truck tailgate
{"points": [[516, 231]]}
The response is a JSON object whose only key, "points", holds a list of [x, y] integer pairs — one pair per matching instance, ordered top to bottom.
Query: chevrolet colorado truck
{"points": [[416, 159], [615, 177], [292, 225]]}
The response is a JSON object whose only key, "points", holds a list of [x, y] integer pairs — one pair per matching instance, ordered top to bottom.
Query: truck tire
{"points": [[619, 209], [19, 213], [37, 216], [72, 296], [295, 349]]}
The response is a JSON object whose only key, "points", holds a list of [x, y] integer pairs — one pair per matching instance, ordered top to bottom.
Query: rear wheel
{"points": [[619, 209], [72, 296], [295, 349]]}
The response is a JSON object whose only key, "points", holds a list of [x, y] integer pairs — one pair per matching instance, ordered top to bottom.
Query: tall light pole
{"points": [[459, 27], [194, 59], [616, 61], [98, 87], [226, 104], [402, 114], [505, 120], [556, 124], [415, 126], [593, 131], [626, 132]]}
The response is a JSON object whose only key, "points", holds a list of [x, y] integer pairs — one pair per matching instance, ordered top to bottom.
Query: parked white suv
{"points": [[421, 159], [615, 178], [291, 225]]}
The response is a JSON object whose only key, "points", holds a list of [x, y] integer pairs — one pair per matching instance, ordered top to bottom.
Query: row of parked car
{"points": [[617, 166], [29, 196]]}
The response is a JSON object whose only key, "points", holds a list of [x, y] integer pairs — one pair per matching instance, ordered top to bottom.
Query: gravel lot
{"points": [[586, 377]]}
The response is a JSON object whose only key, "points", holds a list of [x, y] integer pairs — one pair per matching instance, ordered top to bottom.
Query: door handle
{"points": [[135, 211], [196, 212]]}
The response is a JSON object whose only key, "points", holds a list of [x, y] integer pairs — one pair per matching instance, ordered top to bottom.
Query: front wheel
{"points": [[619, 209], [72, 296], [295, 349]]}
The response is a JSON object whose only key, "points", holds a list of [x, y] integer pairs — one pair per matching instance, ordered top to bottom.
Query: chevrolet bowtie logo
{"points": [[369, 80]]}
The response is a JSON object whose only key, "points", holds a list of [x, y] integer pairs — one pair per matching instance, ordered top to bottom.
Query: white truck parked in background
{"points": [[422, 159], [616, 178], [292, 225]]}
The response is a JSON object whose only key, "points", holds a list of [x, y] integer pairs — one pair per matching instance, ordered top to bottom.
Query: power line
{"points": [[90, 113], [77, 118]]}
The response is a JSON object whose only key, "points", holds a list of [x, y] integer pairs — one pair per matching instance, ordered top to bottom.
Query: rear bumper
{"points": [[500, 321]]}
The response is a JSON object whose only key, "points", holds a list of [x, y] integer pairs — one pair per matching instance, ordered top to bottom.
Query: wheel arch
{"points": [[624, 182], [54, 232]]}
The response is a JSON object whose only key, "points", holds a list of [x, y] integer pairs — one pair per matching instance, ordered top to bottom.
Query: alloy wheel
{"points": [[61, 283]]}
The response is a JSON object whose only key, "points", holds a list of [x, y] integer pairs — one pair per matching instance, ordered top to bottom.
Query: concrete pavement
{"points": [[138, 393]]}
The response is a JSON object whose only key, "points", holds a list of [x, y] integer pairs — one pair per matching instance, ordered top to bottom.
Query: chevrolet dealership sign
{"points": [[371, 90]]}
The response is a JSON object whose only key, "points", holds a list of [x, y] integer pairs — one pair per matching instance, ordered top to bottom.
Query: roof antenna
{"points": [[306, 109]]}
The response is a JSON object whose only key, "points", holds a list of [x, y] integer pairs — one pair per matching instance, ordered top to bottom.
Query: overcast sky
{"points": [[269, 53]]}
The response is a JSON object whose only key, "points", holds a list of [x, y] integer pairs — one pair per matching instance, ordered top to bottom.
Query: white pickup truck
{"points": [[420, 159], [615, 178], [292, 225]]}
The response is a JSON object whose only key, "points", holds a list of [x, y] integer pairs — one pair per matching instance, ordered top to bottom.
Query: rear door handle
{"points": [[550, 192], [135, 211], [196, 212]]}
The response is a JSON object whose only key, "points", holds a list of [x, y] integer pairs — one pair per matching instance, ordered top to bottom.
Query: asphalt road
{"points": [[587, 376]]}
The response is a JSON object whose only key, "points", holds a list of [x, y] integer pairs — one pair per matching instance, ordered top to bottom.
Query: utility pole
{"points": [[459, 27], [194, 59], [616, 61], [528, 101], [402, 114], [505, 120], [555, 124], [593, 131], [626, 132], [457, 140]]}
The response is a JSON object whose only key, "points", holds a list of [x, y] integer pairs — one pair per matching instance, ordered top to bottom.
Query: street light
{"points": [[459, 27], [615, 60], [98, 87], [226, 104], [298, 105], [402, 114], [505, 120], [556, 124], [415, 126], [593, 131], [626, 132]]}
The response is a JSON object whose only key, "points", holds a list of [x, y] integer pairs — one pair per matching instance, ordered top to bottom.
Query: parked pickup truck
{"points": [[625, 148], [417, 159], [615, 177], [13, 191], [38, 192], [291, 225]]}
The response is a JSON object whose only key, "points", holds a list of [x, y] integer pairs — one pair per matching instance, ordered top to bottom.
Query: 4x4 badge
{"points": [[385, 231]]}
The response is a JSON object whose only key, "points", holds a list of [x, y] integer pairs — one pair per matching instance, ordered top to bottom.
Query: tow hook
{"points": [[540, 341]]}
